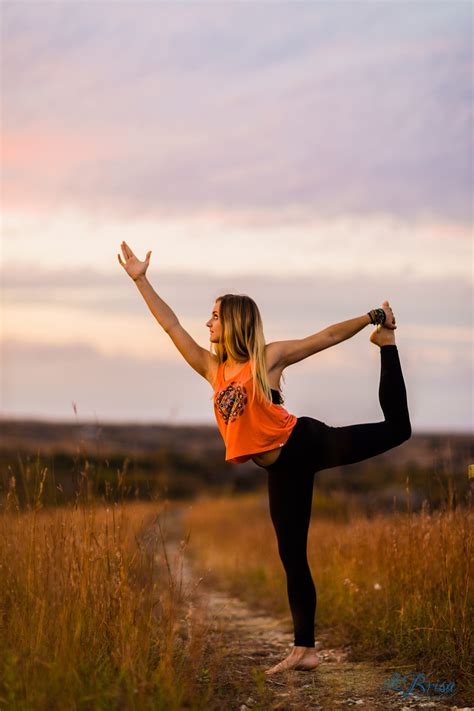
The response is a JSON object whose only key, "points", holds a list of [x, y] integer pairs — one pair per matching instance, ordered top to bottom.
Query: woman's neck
{"points": [[231, 362]]}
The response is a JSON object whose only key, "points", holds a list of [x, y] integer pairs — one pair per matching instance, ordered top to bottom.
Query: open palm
{"points": [[132, 265]]}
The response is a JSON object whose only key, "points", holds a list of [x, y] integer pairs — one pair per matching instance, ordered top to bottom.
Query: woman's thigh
{"points": [[315, 445], [321, 446], [290, 488], [290, 494]]}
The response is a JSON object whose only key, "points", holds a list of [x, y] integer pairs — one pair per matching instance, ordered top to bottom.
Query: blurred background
{"points": [[315, 156]]}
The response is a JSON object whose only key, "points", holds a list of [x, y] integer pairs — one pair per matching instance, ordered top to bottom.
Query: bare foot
{"points": [[383, 336], [300, 659]]}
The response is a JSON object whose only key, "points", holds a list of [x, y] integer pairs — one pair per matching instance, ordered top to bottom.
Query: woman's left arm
{"points": [[346, 329], [286, 353]]}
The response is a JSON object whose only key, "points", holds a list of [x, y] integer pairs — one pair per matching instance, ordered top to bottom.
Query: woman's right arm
{"points": [[165, 316], [198, 358]]}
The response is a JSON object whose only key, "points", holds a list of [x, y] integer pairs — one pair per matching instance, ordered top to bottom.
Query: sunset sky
{"points": [[313, 155]]}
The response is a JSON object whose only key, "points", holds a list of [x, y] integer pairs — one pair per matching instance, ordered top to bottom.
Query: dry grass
{"points": [[397, 587], [90, 613]]}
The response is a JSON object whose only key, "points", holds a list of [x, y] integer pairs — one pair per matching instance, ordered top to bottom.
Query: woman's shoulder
{"points": [[273, 356]]}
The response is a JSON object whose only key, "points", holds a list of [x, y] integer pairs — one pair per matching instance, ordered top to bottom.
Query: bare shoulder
{"points": [[273, 357]]}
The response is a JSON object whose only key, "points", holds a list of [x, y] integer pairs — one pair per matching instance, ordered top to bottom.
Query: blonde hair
{"points": [[243, 339]]}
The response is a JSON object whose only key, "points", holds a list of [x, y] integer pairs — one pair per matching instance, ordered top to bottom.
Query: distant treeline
{"points": [[59, 462]]}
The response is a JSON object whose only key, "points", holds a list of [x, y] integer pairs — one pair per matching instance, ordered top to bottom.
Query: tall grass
{"points": [[394, 587], [92, 612]]}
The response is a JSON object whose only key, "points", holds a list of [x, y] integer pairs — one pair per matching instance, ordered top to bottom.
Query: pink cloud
{"points": [[48, 151]]}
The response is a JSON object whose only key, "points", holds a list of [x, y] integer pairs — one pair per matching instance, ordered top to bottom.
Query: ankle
{"points": [[299, 648]]}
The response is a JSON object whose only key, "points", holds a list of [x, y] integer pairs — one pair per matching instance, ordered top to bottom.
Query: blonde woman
{"points": [[245, 374]]}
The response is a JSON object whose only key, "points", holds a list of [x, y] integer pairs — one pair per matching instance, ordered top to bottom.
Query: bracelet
{"points": [[377, 316]]}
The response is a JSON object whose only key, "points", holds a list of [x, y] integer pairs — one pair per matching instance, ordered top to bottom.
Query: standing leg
{"points": [[290, 495], [290, 498]]}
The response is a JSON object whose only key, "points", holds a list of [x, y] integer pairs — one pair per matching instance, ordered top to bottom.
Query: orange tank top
{"points": [[248, 427]]}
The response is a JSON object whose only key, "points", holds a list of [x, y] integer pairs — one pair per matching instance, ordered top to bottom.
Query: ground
{"points": [[249, 641]]}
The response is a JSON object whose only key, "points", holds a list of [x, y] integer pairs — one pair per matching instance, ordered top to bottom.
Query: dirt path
{"points": [[250, 641]]}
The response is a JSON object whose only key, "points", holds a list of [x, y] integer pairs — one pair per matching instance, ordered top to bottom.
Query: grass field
{"points": [[393, 587], [91, 610], [90, 614]]}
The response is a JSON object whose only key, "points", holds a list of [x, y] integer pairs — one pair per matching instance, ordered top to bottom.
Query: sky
{"points": [[316, 156]]}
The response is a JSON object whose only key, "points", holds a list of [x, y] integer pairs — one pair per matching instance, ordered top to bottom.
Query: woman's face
{"points": [[214, 324]]}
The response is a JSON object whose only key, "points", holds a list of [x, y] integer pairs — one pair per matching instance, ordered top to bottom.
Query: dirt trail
{"points": [[251, 641]]}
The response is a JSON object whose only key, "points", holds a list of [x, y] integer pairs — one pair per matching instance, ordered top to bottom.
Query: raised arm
{"points": [[286, 353], [198, 358]]}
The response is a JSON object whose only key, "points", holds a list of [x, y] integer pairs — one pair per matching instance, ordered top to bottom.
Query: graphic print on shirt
{"points": [[231, 402]]}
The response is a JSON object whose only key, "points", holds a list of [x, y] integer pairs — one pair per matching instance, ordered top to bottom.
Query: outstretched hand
{"points": [[133, 266], [390, 318]]}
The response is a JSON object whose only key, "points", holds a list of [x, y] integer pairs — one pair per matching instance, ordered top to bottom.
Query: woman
{"points": [[245, 374]]}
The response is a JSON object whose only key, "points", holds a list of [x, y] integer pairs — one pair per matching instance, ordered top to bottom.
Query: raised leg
{"points": [[334, 446]]}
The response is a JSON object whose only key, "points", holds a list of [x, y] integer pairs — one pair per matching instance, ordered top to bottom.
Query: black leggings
{"points": [[314, 445]]}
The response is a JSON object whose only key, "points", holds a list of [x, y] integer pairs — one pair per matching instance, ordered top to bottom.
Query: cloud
{"points": [[239, 107], [312, 157], [277, 242], [289, 301], [112, 357], [338, 386]]}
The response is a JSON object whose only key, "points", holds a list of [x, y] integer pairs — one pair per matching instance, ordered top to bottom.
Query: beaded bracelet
{"points": [[377, 316]]}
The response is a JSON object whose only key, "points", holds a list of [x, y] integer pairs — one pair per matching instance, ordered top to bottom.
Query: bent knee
{"points": [[403, 431]]}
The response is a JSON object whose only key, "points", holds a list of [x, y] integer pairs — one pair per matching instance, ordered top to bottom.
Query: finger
{"points": [[124, 250], [129, 251], [148, 256], [120, 261]]}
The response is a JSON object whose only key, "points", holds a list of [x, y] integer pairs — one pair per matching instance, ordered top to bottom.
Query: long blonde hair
{"points": [[243, 339]]}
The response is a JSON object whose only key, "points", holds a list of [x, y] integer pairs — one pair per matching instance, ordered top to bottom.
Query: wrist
{"points": [[141, 279], [377, 316]]}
